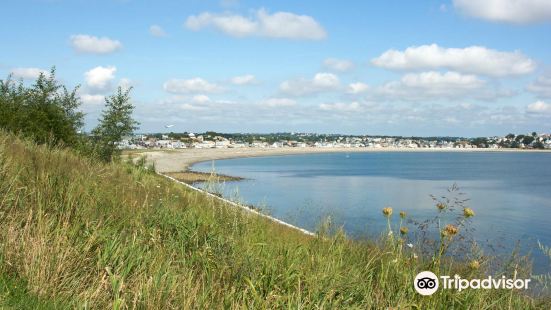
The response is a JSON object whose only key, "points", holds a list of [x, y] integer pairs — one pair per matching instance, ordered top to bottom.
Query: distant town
{"points": [[212, 139]]}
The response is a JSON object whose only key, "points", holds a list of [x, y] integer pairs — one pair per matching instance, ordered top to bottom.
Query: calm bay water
{"points": [[510, 192]]}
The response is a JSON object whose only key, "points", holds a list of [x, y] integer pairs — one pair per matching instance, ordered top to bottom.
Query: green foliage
{"points": [[47, 111], [116, 122], [519, 138], [527, 140], [480, 142], [544, 279], [14, 294]]}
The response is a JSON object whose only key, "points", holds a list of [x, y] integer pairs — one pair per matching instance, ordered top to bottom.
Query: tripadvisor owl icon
{"points": [[426, 283]]}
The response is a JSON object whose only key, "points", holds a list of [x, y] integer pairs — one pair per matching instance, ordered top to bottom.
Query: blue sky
{"points": [[461, 67]]}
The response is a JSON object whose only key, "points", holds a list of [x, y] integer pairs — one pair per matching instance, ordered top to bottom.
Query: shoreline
{"points": [[181, 160], [241, 206]]}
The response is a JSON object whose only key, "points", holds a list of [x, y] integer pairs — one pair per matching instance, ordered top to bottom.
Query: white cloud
{"points": [[511, 11], [234, 25], [282, 25], [290, 26], [157, 31], [83, 43], [473, 59], [340, 65], [27, 73], [99, 78], [244, 79], [434, 79], [325, 80], [320, 83], [194, 85], [436, 85], [541, 87], [357, 88], [88, 99], [200, 99], [182, 102], [279, 102], [190, 107], [340, 107], [539, 107]]}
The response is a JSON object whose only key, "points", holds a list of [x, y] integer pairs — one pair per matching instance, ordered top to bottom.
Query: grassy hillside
{"points": [[77, 233]]}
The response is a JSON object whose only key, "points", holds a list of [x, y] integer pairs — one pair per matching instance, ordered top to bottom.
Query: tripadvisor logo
{"points": [[426, 283]]}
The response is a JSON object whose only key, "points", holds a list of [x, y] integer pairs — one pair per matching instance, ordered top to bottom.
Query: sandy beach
{"points": [[180, 160]]}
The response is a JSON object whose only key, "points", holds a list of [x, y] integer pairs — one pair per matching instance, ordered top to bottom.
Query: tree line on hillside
{"points": [[49, 113]]}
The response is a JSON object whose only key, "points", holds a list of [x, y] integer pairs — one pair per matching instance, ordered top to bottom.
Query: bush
{"points": [[46, 112]]}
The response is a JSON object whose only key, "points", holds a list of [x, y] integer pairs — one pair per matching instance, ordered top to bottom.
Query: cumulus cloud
{"points": [[510, 11], [234, 25], [282, 25], [157, 31], [84, 43], [473, 59], [339, 65], [27, 73], [99, 78], [243, 79], [434, 79], [321, 82], [194, 85], [436, 85], [541, 87], [357, 88], [200, 99], [93, 100], [279, 102], [174, 103], [190, 107], [340, 107], [539, 107]]}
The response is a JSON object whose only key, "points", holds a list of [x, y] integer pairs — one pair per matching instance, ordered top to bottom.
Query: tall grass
{"points": [[78, 233]]}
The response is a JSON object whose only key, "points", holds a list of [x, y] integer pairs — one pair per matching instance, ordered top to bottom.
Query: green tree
{"points": [[46, 112], [115, 123], [519, 138], [527, 140], [480, 142]]}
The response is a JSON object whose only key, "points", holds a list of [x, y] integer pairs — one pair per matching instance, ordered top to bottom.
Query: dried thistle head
{"points": [[441, 206], [387, 211], [468, 212], [403, 214], [404, 230], [450, 230], [474, 264]]}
